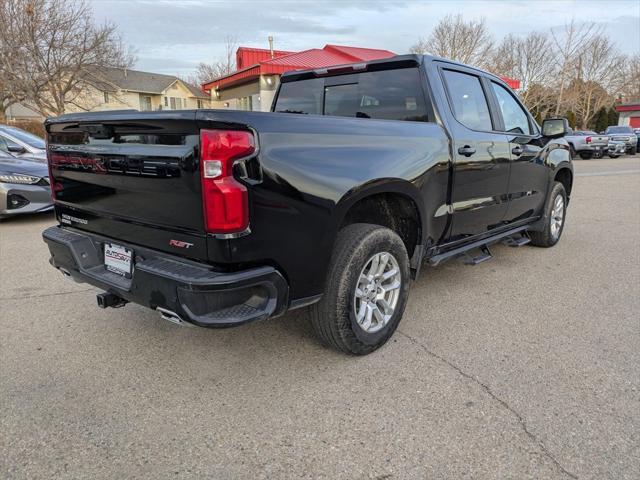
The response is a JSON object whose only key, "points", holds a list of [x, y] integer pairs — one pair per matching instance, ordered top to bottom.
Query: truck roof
{"points": [[399, 61]]}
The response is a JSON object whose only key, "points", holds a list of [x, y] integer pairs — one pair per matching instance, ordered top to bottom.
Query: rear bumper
{"points": [[196, 292]]}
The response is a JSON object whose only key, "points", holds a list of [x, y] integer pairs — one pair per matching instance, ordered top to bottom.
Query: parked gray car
{"points": [[623, 133], [22, 143], [587, 144], [616, 149], [24, 184]]}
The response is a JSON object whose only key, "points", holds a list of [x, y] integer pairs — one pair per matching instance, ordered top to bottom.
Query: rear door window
{"points": [[387, 94], [468, 101]]}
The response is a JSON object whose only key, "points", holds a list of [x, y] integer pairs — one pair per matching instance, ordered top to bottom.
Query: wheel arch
{"points": [[564, 175], [392, 203]]}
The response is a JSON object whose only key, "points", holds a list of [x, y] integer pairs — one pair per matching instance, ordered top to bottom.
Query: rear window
{"points": [[387, 94], [619, 130], [26, 137]]}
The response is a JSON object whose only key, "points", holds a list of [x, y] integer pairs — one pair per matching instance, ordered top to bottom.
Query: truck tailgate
{"points": [[130, 176]]}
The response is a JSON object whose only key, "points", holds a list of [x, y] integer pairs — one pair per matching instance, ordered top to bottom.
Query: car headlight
{"points": [[18, 178]]}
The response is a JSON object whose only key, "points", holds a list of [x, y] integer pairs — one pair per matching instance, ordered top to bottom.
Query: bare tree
{"points": [[454, 38], [569, 44], [57, 50], [532, 61], [599, 65], [219, 68], [630, 88]]}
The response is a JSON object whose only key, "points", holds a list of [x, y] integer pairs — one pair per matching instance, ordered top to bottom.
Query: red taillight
{"points": [[588, 140], [225, 201]]}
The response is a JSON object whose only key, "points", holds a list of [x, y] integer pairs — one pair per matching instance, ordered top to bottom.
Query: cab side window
{"points": [[468, 102], [514, 116]]}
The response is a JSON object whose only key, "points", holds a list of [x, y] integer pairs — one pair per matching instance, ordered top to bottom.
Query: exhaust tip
{"points": [[170, 316]]}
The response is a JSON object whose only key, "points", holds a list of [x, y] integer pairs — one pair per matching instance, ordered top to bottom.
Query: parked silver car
{"points": [[623, 133], [22, 143], [587, 144], [616, 149], [24, 184]]}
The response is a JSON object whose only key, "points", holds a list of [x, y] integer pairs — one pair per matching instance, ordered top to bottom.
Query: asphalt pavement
{"points": [[526, 366]]}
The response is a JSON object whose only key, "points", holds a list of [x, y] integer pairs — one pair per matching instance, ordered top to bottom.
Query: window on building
{"points": [[388, 94], [106, 97], [467, 100], [166, 101], [172, 102], [200, 104], [514, 117]]}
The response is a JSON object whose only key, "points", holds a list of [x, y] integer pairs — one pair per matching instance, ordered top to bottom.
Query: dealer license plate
{"points": [[117, 259]]}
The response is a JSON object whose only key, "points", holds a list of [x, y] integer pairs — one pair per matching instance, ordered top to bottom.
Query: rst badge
{"points": [[180, 244]]}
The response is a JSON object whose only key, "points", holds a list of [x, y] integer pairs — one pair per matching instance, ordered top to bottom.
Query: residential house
{"points": [[123, 89]]}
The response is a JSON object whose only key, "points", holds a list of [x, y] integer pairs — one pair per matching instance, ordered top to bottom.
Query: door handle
{"points": [[517, 150], [467, 151]]}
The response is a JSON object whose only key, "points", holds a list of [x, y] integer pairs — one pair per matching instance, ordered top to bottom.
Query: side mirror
{"points": [[555, 127], [16, 149]]}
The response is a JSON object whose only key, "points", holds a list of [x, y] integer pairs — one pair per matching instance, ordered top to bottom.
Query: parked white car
{"points": [[22, 143]]}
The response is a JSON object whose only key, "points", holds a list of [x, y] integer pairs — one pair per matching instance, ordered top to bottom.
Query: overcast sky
{"points": [[174, 36]]}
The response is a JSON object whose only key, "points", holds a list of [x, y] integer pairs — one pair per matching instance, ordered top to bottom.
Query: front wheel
{"points": [[633, 151], [613, 156], [555, 214], [366, 290]]}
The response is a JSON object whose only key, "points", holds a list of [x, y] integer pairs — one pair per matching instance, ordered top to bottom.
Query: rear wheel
{"points": [[586, 155], [555, 215], [366, 290]]}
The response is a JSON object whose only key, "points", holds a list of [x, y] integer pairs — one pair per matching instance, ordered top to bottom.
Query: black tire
{"points": [[633, 150], [572, 151], [585, 155], [613, 156], [546, 238], [334, 317]]}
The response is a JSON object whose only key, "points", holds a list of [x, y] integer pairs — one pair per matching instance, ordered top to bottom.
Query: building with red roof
{"points": [[253, 85]]}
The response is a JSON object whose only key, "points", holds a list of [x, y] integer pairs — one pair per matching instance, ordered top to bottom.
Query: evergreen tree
{"points": [[612, 116], [601, 120]]}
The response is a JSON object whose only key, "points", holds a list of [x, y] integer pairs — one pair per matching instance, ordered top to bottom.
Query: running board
{"points": [[516, 235], [517, 240], [482, 257]]}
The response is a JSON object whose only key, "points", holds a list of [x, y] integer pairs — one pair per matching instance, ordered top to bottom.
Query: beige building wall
{"points": [[261, 92]]}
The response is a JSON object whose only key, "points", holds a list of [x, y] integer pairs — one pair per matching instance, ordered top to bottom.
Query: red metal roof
{"points": [[247, 56], [314, 58]]}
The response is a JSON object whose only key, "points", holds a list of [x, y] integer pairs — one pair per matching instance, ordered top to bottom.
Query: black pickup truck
{"points": [[359, 176]]}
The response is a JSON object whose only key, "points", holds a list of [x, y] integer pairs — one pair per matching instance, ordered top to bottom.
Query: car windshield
{"points": [[619, 130], [26, 137]]}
